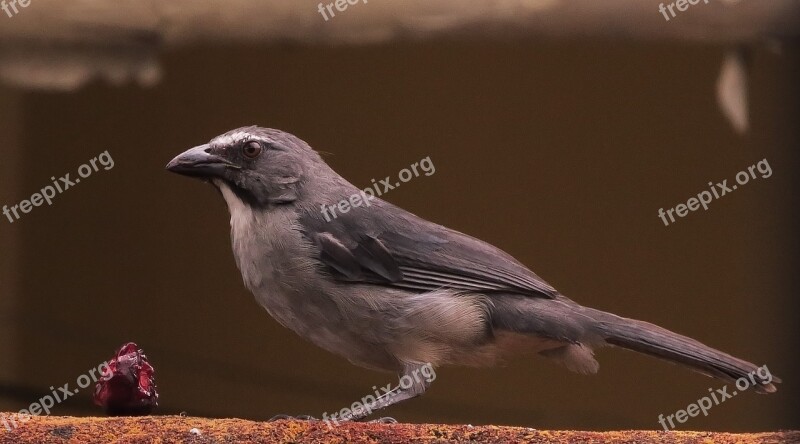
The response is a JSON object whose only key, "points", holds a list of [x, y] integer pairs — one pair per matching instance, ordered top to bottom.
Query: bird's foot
{"points": [[298, 417], [384, 420]]}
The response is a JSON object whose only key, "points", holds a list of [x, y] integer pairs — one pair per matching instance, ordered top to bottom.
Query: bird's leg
{"points": [[412, 384]]}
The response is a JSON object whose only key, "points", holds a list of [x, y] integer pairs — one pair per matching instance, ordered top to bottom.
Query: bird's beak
{"points": [[198, 162]]}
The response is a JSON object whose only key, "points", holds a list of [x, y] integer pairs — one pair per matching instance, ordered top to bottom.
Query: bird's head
{"points": [[261, 166]]}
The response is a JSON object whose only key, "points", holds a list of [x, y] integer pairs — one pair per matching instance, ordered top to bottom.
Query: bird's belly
{"points": [[280, 272], [316, 317]]}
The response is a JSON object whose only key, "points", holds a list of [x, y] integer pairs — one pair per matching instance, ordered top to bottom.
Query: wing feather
{"points": [[415, 254]]}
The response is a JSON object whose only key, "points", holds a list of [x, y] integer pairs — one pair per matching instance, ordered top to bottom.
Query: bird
{"points": [[388, 290]]}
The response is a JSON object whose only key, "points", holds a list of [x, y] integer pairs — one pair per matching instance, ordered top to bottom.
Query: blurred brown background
{"points": [[559, 152]]}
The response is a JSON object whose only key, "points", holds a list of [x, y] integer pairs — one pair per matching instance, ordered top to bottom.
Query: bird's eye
{"points": [[251, 149]]}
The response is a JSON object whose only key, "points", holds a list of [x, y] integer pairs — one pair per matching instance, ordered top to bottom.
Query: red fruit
{"points": [[127, 387]]}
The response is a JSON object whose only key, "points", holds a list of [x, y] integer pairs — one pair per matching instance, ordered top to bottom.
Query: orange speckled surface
{"points": [[177, 429]]}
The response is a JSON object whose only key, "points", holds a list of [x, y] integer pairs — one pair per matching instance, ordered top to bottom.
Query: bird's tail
{"points": [[655, 341]]}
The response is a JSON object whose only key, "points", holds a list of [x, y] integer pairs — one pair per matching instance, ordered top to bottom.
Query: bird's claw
{"points": [[298, 417], [384, 420]]}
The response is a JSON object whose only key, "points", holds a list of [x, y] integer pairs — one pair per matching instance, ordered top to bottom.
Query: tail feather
{"points": [[580, 329], [659, 342]]}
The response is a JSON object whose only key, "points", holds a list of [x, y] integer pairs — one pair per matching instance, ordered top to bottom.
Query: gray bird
{"points": [[389, 290]]}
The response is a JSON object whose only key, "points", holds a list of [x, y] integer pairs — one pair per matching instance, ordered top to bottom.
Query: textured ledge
{"points": [[176, 429]]}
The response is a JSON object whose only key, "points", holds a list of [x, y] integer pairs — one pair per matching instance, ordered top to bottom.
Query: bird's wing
{"points": [[386, 245]]}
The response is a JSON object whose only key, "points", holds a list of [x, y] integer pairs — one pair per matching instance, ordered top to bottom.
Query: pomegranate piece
{"points": [[127, 386]]}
